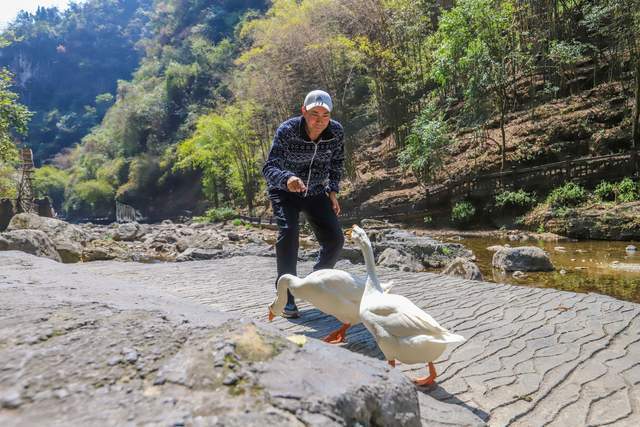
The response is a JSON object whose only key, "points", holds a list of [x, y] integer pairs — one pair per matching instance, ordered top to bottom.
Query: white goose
{"points": [[331, 291], [402, 330]]}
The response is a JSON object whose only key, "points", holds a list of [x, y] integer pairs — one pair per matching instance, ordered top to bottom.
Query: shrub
{"points": [[425, 145], [50, 181], [605, 191], [626, 191], [621, 192], [570, 194], [92, 198], [515, 199], [463, 212], [217, 214], [427, 219], [237, 222]]}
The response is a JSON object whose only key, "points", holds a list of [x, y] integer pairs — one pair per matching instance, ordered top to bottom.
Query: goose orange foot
{"points": [[271, 315], [339, 335], [427, 380]]}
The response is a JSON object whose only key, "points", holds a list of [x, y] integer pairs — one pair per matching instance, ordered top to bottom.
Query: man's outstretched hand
{"points": [[296, 185], [334, 202]]}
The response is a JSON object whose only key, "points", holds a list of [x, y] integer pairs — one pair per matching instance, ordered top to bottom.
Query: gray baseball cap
{"points": [[318, 98]]}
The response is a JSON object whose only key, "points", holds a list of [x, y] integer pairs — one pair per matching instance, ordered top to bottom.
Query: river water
{"points": [[584, 266]]}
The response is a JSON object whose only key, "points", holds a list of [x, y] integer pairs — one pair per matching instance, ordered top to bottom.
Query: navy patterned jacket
{"points": [[292, 153]]}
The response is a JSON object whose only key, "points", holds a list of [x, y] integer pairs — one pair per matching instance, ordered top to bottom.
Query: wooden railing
{"points": [[586, 170]]}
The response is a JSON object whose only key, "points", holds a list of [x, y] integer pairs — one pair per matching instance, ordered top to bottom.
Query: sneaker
{"points": [[290, 311]]}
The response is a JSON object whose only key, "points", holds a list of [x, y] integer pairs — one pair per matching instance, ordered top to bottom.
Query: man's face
{"points": [[317, 118]]}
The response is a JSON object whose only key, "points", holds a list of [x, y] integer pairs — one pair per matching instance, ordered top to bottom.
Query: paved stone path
{"points": [[532, 357]]}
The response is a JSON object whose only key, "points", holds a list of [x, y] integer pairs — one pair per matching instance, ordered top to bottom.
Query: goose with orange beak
{"points": [[331, 291], [402, 330]]}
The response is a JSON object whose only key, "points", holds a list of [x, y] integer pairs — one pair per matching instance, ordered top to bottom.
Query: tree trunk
{"points": [[635, 132], [504, 138], [216, 201]]}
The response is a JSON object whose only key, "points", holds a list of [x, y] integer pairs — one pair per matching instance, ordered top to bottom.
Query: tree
{"points": [[615, 25], [478, 57], [63, 60], [14, 117], [425, 146], [228, 150]]}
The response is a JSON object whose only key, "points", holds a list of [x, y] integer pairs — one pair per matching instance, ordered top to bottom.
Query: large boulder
{"points": [[6, 213], [129, 232], [68, 239], [34, 242], [102, 250], [429, 252], [200, 254], [522, 258], [399, 260], [464, 269], [134, 355]]}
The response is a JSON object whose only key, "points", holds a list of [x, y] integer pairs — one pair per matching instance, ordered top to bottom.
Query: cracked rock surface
{"points": [[81, 348]]}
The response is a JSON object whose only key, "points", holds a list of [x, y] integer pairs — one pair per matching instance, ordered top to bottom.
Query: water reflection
{"points": [[586, 266]]}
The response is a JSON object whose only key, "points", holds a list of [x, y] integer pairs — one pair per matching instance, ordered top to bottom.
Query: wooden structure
{"points": [[588, 171], [25, 199], [126, 213]]}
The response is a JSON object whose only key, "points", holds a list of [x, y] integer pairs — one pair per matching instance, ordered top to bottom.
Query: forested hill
{"points": [[67, 64], [443, 80]]}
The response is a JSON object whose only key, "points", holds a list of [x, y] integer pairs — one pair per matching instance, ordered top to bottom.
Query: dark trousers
{"points": [[323, 220]]}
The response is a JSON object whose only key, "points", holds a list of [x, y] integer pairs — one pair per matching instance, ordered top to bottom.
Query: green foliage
{"points": [[84, 51], [566, 53], [476, 54], [478, 57], [216, 78], [13, 118], [424, 147], [228, 150], [115, 172], [144, 173], [51, 181], [8, 182], [605, 191], [627, 191], [570, 194], [89, 198], [515, 199], [463, 212], [218, 215], [427, 220], [445, 250]]}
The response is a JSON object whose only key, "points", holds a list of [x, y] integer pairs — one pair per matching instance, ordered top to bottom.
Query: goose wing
{"points": [[337, 282], [401, 318]]}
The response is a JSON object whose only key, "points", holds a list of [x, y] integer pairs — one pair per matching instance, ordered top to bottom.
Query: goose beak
{"points": [[349, 231]]}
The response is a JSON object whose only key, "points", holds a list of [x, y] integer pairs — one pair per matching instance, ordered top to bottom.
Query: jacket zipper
{"points": [[310, 165]]}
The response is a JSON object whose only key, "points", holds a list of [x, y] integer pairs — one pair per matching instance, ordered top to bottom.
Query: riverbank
{"points": [[591, 221], [580, 266], [604, 267], [532, 356]]}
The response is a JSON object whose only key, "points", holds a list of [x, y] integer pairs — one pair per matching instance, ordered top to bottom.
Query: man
{"points": [[303, 174]]}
